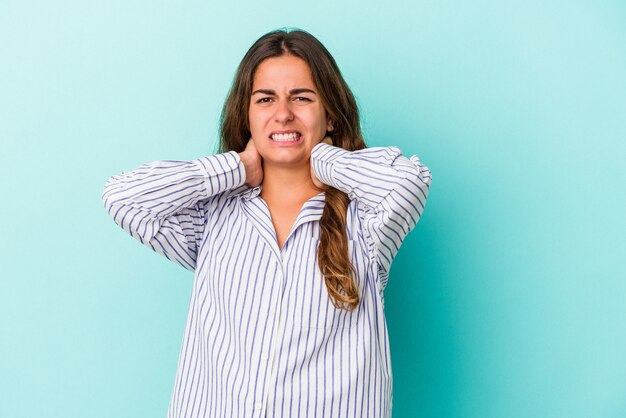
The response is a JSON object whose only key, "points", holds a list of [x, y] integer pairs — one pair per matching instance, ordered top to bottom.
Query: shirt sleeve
{"points": [[391, 188], [164, 204]]}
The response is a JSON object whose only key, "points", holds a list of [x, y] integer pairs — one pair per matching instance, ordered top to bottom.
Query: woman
{"points": [[291, 230]]}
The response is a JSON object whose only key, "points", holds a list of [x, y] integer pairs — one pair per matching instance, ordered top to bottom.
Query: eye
{"points": [[306, 99], [262, 100]]}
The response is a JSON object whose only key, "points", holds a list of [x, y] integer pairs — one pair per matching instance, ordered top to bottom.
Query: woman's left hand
{"points": [[328, 140]]}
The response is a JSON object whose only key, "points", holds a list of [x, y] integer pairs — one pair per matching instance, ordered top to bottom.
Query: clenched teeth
{"points": [[286, 137]]}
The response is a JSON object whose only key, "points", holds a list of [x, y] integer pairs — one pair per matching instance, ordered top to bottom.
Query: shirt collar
{"points": [[311, 211]]}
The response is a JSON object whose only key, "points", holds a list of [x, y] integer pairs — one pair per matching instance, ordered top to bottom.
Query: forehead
{"points": [[283, 72]]}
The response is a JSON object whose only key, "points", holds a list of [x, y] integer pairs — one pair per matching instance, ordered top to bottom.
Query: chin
{"points": [[287, 161]]}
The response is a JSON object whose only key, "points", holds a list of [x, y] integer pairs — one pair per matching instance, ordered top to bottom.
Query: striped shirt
{"points": [[262, 337]]}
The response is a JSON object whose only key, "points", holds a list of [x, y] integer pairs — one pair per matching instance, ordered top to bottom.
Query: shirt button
{"points": [[264, 356], [258, 405]]}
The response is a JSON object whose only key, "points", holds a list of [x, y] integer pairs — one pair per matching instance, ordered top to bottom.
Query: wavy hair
{"points": [[341, 107]]}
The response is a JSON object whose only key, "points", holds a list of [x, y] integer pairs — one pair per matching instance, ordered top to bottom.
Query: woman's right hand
{"points": [[252, 161]]}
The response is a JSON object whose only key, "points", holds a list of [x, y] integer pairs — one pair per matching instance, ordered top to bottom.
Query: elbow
{"points": [[421, 174], [417, 184], [110, 186], [106, 190]]}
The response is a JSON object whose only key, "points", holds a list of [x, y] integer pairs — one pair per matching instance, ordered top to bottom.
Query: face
{"points": [[287, 118]]}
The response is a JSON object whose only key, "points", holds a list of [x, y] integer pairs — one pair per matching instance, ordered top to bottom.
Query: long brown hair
{"points": [[341, 107]]}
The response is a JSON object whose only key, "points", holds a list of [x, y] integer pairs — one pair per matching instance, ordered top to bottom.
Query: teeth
{"points": [[286, 137]]}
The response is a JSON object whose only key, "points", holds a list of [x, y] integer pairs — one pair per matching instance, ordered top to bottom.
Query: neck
{"points": [[288, 183]]}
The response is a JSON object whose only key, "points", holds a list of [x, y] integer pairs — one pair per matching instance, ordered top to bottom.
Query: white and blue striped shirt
{"points": [[263, 338]]}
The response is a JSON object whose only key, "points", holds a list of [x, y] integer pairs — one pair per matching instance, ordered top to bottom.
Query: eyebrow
{"points": [[292, 91]]}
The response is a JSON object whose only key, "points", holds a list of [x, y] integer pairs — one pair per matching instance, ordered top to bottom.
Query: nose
{"points": [[283, 111]]}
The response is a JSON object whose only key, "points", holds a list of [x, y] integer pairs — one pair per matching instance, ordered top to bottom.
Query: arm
{"points": [[389, 187], [164, 204]]}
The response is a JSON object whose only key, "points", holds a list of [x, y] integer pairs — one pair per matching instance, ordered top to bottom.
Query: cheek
{"points": [[257, 120], [320, 121]]}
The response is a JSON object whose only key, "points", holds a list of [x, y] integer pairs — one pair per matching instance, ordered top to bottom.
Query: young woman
{"points": [[291, 230]]}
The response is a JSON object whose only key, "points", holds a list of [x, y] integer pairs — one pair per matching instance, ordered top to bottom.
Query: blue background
{"points": [[508, 298]]}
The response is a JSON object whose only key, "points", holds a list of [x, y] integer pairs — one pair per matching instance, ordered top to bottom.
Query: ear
{"points": [[329, 126]]}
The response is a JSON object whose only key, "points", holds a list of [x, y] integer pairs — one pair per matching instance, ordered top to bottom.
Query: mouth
{"points": [[286, 137]]}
